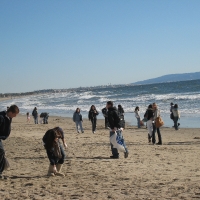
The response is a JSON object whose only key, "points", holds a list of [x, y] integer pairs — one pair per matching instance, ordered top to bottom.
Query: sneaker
{"points": [[78, 132], [94, 132], [159, 143], [126, 155], [114, 157]]}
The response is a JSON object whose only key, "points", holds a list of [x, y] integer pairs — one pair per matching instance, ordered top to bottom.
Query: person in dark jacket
{"points": [[104, 111], [120, 112], [35, 115], [92, 116], [149, 116], [115, 126], [5, 129], [54, 150]]}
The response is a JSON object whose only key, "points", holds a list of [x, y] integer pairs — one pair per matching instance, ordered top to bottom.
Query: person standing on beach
{"points": [[104, 111], [120, 112], [156, 113], [171, 113], [176, 114], [35, 115], [137, 115], [92, 116], [149, 116], [28, 117], [77, 118], [115, 126], [5, 129], [54, 152]]}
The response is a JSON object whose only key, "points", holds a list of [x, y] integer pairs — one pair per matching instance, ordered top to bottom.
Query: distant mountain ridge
{"points": [[170, 78]]}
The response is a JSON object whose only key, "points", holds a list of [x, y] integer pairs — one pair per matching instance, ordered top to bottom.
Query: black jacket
{"points": [[149, 114], [92, 115], [113, 118], [5, 126]]}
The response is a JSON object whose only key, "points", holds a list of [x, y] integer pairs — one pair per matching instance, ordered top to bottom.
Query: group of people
{"points": [[92, 116], [150, 116], [43, 117], [113, 120], [52, 137]]}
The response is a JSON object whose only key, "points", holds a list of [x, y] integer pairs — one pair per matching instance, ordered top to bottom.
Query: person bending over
{"points": [[5, 129]]}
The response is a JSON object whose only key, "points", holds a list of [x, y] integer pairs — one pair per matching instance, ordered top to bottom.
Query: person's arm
{"points": [[96, 112], [64, 143]]}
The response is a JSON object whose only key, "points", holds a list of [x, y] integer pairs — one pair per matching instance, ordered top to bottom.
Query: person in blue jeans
{"points": [[137, 115], [115, 126]]}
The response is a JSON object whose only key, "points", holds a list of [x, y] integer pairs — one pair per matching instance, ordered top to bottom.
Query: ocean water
{"points": [[185, 93]]}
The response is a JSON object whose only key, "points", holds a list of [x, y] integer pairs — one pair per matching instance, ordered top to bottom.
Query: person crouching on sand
{"points": [[77, 118], [5, 128], [54, 152]]}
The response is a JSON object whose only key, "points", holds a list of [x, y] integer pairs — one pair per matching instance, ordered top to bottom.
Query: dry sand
{"points": [[170, 171]]}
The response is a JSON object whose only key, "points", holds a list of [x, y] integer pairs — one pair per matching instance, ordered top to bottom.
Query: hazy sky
{"points": [[59, 44]]}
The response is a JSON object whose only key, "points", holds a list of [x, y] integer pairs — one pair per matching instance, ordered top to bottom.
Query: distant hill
{"points": [[170, 78]]}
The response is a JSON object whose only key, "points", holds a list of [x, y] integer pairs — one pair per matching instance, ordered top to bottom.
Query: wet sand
{"points": [[170, 171]]}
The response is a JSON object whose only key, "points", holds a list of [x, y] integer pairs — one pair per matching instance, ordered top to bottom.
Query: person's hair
{"points": [[110, 103], [171, 104], [92, 106], [119, 106], [150, 106], [176, 106], [35, 108], [136, 108], [13, 109], [77, 109], [27, 113], [51, 135]]}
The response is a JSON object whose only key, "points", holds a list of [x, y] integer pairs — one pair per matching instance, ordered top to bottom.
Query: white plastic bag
{"points": [[117, 142]]}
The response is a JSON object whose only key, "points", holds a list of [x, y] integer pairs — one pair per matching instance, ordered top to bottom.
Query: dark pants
{"points": [[35, 120], [45, 120], [106, 123], [176, 123], [94, 124], [159, 135], [114, 150], [2, 157], [53, 159]]}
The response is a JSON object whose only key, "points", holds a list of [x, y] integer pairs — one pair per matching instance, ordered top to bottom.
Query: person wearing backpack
{"points": [[35, 115], [77, 118]]}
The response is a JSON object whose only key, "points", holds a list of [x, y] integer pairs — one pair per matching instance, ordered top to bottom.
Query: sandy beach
{"points": [[170, 171]]}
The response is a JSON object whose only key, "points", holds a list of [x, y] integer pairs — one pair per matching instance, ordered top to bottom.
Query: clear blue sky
{"points": [[48, 44]]}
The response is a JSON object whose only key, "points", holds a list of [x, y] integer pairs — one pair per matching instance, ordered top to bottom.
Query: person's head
{"points": [[109, 104], [171, 104], [154, 105], [150, 106], [176, 106], [8, 107], [92, 107], [119, 107], [35, 108], [137, 108], [78, 110], [12, 111], [27, 113], [52, 136]]}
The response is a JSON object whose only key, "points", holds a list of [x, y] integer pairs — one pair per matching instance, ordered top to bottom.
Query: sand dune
{"points": [[170, 171]]}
